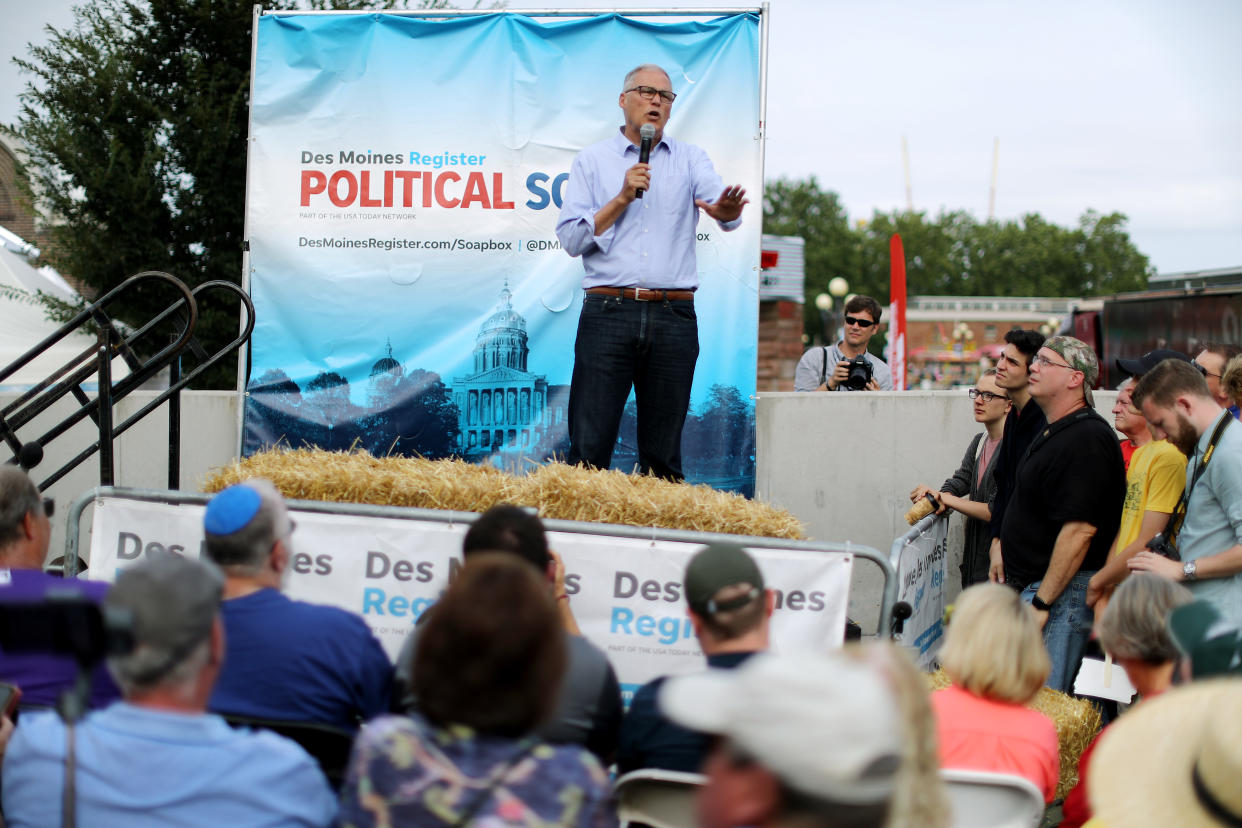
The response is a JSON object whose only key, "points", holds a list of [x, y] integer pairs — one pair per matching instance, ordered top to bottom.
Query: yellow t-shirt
{"points": [[1154, 483]]}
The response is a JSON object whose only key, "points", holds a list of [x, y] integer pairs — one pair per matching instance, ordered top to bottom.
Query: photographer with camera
{"points": [[847, 366], [1202, 545]]}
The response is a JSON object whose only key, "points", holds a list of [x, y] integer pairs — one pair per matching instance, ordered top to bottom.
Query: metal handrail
{"points": [[183, 316], [82, 370], [173, 391]]}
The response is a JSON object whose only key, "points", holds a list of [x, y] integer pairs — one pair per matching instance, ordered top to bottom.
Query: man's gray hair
{"points": [[653, 67], [18, 498], [246, 550], [172, 603], [1135, 622], [147, 667]]}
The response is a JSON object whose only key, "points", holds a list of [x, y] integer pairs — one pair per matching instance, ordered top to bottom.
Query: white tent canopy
{"points": [[24, 322]]}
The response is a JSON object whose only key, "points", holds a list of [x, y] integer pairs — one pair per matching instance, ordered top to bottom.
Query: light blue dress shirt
{"points": [[652, 243], [1214, 516], [139, 767]]}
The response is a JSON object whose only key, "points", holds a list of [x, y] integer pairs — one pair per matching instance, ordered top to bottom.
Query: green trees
{"points": [[135, 124], [953, 253]]}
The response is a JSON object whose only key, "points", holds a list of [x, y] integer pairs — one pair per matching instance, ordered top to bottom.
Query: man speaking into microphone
{"points": [[631, 211]]}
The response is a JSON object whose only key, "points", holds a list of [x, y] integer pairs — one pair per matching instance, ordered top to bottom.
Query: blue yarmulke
{"points": [[231, 510]]}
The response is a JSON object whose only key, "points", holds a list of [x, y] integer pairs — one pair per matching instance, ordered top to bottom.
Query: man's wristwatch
{"points": [[1188, 571], [1040, 604]]}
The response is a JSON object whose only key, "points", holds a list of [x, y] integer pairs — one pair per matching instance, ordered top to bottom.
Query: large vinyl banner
{"points": [[405, 180]]}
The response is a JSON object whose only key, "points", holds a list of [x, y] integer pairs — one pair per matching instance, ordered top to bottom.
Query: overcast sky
{"points": [[1126, 105]]}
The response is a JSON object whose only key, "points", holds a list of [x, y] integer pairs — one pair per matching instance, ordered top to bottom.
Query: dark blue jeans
{"points": [[649, 346], [1068, 630]]}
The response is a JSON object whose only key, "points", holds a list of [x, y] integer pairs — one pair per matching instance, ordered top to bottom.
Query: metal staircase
{"points": [[164, 341]]}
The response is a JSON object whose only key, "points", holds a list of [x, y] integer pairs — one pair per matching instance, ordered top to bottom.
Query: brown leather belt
{"points": [[643, 294]]}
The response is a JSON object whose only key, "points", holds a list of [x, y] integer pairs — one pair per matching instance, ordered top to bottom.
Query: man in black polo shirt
{"points": [[1022, 423], [1065, 506]]}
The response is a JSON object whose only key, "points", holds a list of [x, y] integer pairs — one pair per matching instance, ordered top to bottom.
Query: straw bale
{"points": [[558, 491], [1077, 722]]}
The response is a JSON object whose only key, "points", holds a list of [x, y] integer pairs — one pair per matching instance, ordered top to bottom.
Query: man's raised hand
{"points": [[726, 208]]}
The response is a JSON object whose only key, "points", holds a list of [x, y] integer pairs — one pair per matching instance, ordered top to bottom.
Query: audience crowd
{"points": [[212, 698]]}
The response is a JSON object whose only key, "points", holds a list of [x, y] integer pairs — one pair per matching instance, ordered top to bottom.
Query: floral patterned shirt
{"points": [[404, 771]]}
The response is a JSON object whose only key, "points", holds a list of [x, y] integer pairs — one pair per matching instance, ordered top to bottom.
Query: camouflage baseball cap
{"points": [[1079, 356]]}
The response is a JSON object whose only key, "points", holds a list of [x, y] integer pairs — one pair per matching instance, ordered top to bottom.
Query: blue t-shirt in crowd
{"points": [[299, 662], [140, 767]]}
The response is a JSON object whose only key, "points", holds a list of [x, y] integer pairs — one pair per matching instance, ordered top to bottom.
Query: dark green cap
{"points": [[716, 566], [1213, 644]]}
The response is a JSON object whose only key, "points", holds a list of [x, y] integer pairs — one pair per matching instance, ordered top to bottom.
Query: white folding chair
{"points": [[659, 798], [992, 800]]}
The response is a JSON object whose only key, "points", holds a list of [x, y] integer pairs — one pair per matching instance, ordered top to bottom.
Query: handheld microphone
{"points": [[646, 134]]}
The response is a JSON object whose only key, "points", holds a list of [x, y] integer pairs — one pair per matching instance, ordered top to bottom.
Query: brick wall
{"points": [[13, 215], [780, 344]]}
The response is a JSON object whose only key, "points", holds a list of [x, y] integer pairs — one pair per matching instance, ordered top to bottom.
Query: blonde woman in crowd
{"points": [[995, 657]]}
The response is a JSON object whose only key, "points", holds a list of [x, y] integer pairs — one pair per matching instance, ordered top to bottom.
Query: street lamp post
{"points": [[838, 287], [824, 303]]}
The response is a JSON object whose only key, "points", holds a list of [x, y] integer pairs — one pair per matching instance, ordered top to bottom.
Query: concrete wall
{"points": [[210, 438], [844, 464]]}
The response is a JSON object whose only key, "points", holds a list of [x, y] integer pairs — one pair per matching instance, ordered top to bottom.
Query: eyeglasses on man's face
{"points": [[649, 93], [859, 321], [1043, 361], [987, 396]]}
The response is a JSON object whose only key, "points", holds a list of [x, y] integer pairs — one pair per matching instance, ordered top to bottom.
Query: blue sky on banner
{"points": [[522, 97]]}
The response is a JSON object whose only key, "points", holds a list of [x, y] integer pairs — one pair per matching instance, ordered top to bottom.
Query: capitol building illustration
{"points": [[503, 406]]}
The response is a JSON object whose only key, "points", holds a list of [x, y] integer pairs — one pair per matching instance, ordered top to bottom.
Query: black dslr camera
{"points": [[859, 373], [1163, 546], [66, 622]]}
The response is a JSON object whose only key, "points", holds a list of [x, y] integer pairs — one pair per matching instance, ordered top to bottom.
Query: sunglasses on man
{"points": [[860, 322]]}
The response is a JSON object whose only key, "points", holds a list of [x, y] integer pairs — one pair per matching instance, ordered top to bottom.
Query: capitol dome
{"points": [[502, 339], [387, 365]]}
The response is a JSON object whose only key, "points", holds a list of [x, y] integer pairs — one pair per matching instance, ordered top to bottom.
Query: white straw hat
{"points": [[827, 725], [1173, 760]]}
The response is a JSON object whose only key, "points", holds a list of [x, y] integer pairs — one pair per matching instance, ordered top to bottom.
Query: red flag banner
{"points": [[897, 313]]}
